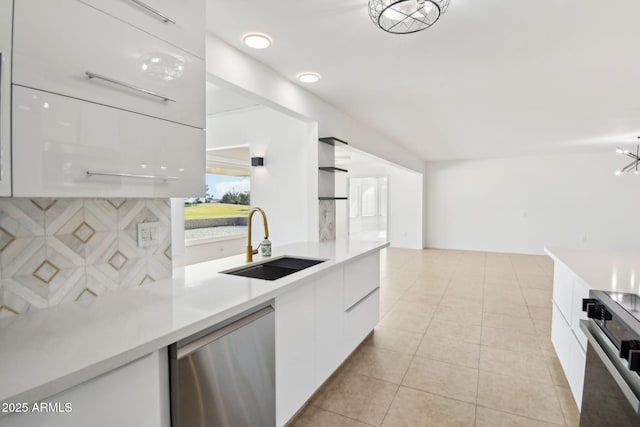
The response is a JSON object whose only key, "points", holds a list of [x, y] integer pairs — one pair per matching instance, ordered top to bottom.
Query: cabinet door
{"points": [[187, 31], [56, 43], [5, 96], [58, 139], [360, 278], [562, 289], [580, 291], [360, 320], [560, 336], [330, 348], [295, 350], [575, 374], [136, 394]]}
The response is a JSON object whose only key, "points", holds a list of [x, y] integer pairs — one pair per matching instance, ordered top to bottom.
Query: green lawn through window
{"points": [[214, 210]]}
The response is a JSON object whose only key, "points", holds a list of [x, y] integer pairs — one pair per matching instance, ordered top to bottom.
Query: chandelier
{"points": [[406, 16], [633, 166]]}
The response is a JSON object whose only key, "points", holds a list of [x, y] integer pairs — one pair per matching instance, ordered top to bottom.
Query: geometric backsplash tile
{"points": [[327, 220], [64, 250]]}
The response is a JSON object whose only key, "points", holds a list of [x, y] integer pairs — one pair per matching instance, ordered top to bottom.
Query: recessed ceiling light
{"points": [[257, 40], [308, 77]]}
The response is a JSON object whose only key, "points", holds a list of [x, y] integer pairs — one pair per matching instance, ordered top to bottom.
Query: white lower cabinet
{"points": [[57, 140], [361, 278], [361, 318], [330, 331], [315, 332], [566, 336], [295, 350], [575, 374], [136, 394]]}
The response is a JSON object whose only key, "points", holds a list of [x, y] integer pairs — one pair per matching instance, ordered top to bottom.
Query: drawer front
{"points": [[181, 23], [57, 43], [58, 139], [361, 277], [562, 289], [580, 291], [361, 319], [560, 337]]}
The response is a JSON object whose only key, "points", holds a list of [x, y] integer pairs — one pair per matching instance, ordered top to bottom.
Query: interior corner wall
{"points": [[286, 186], [404, 202], [524, 204]]}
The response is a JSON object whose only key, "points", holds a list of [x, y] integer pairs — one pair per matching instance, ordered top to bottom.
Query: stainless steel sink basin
{"points": [[275, 269]]}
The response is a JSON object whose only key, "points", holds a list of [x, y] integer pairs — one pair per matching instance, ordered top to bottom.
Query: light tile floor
{"points": [[463, 340]]}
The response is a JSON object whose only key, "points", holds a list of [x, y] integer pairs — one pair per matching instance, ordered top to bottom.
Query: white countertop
{"points": [[605, 270], [47, 351]]}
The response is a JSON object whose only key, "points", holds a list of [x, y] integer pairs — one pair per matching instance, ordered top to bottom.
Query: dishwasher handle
{"points": [[189, 348]]}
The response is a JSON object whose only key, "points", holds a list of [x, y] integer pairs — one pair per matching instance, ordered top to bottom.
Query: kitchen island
{"points": [[575, 273], [50, 351]]}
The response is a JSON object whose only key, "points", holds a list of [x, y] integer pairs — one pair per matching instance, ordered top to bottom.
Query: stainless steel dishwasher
{"points": [[225, 375]]}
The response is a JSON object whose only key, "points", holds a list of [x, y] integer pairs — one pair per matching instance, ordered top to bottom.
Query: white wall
{"points": [[241, 71], [285, 187], [404, 201], [524, 204]]}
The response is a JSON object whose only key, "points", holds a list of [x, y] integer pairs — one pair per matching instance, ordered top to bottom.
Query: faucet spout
{"points": [[250, 251]]}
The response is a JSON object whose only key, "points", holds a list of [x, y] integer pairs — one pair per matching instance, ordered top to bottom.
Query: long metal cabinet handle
{"points": [[156, 12], [127, 85], [129, 175], [361, 299], [226, 330], [626, 389]]}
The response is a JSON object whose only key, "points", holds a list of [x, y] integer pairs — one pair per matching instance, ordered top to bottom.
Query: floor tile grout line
{"points": [[484, 281], [410, 363], [342, 415], [520, 415]]}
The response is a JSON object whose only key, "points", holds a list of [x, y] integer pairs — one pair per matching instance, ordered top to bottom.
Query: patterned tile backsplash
{"points": [[327, 220], [58, 250]]}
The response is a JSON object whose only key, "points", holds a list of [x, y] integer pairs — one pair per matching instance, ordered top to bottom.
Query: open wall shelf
{"points": [[332, 140], [332, 169], [333, 198]]}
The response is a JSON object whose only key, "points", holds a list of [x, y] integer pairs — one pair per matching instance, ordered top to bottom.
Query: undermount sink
{"points": [[275, 269]]}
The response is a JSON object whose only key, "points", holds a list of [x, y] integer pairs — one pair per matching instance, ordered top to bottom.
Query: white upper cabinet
{"points": [[181, 23], [70, 48], [5, 97], [108, 98], [63, 140]]}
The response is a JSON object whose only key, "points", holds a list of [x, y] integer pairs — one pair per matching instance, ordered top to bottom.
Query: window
{"points": [[222, 213]]}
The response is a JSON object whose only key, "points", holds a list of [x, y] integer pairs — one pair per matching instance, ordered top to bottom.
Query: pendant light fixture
{"points": [[406, 16], [633, 166]]}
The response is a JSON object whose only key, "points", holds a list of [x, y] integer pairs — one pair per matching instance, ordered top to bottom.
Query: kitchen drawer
{"points": [[187, 31], [57, 42], [57, 139], [360, 278], [563, 289], [580, 291], [360, 320], [561, 336], [575, 373]]}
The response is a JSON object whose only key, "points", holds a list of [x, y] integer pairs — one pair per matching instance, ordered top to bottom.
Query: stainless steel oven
{"points": [[611, 394]]}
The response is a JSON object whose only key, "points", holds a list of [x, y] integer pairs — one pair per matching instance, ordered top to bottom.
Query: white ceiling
{"points": [[493, 78]]}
